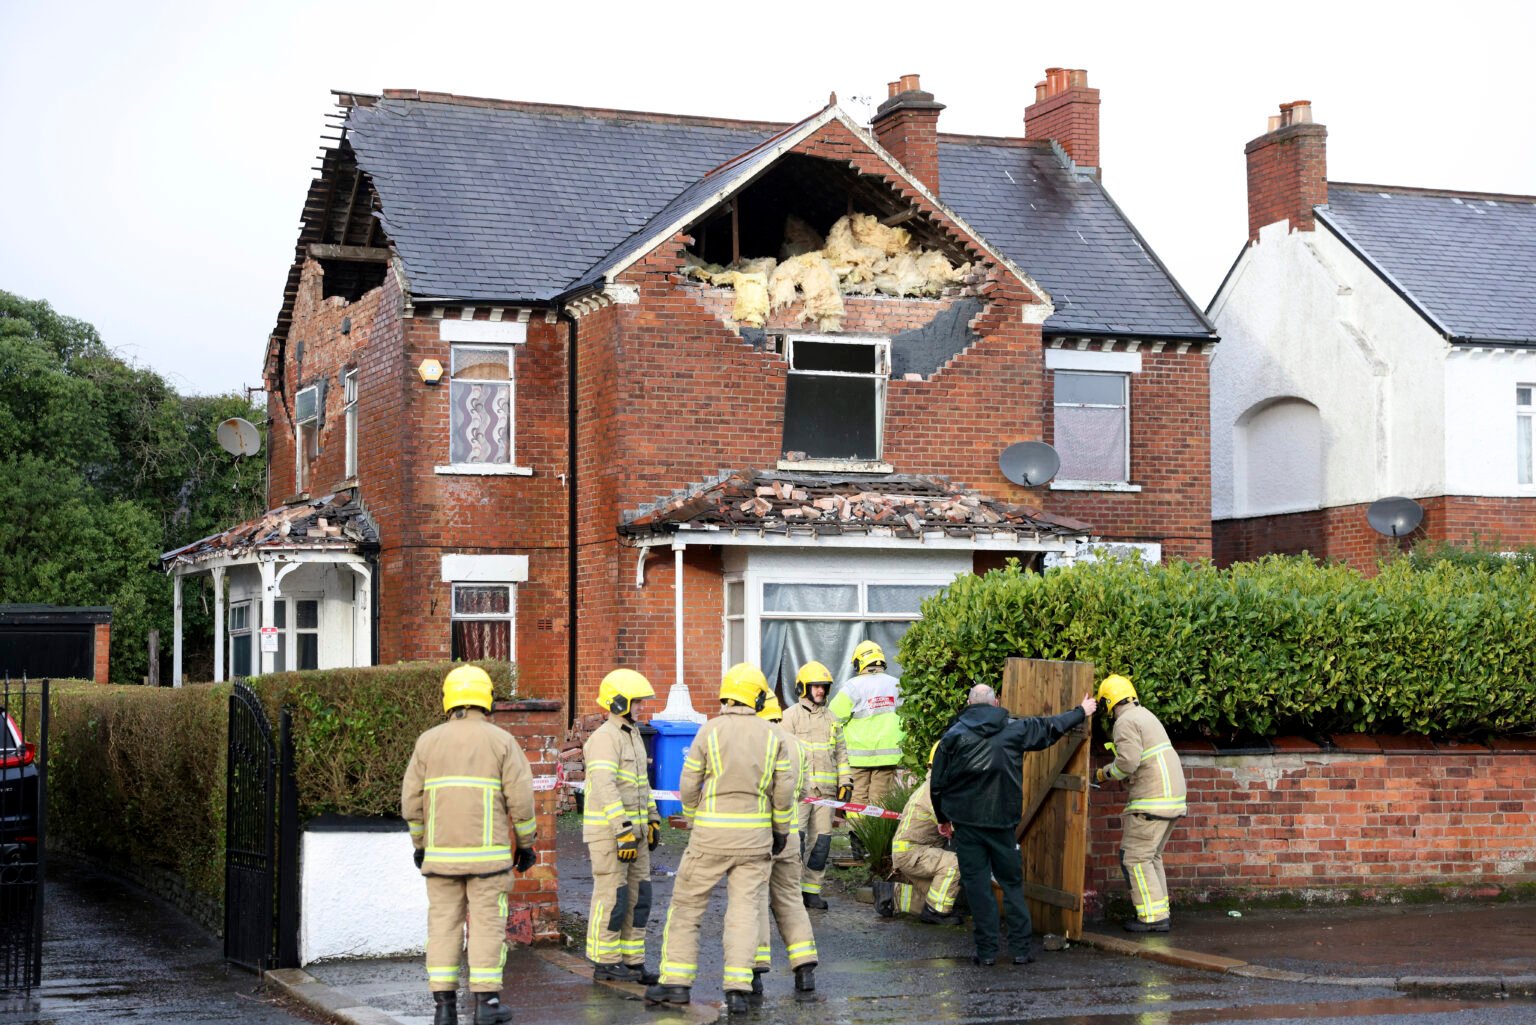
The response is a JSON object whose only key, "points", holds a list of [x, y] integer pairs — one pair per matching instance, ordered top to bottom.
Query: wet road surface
{"points": [[113, 953]]}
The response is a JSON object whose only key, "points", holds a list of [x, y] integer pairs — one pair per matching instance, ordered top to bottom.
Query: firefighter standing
{"points": [[866, 707], [810, 722], [466, 779], [736, 788], [1155, 792], [621, 827], [931, 870], [784, 898]]}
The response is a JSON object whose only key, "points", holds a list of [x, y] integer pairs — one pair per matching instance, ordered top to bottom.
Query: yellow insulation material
{"points": [[811, 276]]}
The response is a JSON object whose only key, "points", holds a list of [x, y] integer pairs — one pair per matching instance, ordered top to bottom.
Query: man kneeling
{"points": [[931, 872]]}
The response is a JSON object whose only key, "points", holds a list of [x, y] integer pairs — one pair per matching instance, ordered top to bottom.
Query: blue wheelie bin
{"points": [[673, 738]]}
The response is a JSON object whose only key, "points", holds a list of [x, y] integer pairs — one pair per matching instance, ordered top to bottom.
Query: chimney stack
{"points": [[1067, 110], [907, 126], [1287, 170]]}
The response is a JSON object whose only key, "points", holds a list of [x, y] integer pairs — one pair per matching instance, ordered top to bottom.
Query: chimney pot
{"points": [[1077, 77], [1056, 79], [909, 84], [894, 87], [1040, 91], [1274, 122]]}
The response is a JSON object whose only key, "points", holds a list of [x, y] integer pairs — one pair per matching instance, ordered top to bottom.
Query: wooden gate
{"points": [[1053, 834]]}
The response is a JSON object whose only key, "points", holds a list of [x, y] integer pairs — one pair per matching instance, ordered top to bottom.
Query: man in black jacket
{"points": [[977, 787]]}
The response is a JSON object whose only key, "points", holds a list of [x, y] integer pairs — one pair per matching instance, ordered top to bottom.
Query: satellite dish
{"points": [[239, 437], [1030, 463], [1395, 517]]}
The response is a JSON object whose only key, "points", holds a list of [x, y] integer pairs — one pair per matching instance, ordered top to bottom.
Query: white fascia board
{"points": [[504, 332], [1108, 362], [1020, 543], [251, 557], [498, 569]]}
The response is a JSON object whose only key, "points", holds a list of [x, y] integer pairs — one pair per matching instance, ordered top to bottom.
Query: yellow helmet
{"points": [[867, 654], [812, 673], [745, 684], [467, 685], [620, 690], [1114, 690], [771, 710]]}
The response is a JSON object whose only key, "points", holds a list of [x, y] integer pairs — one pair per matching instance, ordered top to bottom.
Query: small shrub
{"points": [[876, 834]]}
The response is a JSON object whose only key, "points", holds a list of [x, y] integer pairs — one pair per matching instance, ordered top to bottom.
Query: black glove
{"points": [[845, 792], [652, 835], [779, 840], [629, 845], [418, 855], [523, 858]]}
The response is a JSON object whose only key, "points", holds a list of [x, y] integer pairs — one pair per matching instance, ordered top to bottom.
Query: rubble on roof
{"points": [[859, 256], [893, 505], [336, 522]]}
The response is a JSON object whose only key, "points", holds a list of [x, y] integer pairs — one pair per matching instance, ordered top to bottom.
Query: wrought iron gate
{"points": [[23, 829], [260, 865]]}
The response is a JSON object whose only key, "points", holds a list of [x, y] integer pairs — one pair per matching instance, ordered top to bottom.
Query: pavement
{"points": [[1448, 962]]}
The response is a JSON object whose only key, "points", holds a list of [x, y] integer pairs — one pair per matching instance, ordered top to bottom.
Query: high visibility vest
{"points": [[866, 706]]}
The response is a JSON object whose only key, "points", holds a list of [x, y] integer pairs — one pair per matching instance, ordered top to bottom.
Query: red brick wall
{"points": [[1070, 116], [1287, 177], [101, 670], [1380, 815], [534, 907]]}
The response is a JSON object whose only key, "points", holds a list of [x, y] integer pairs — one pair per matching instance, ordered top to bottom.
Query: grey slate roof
{"points": [[518, 202], [1467, 261]]}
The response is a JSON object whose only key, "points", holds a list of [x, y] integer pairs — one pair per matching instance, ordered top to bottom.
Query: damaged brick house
{"points": [[596, 387]]}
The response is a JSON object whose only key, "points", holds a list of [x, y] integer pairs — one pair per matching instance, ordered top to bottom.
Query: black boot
{"points": [[885, 898], [814, 901], [933, 917], [1137, 925], [613, 973], [643, 975], [805, 979], [757, 981], [659, 994], [736, 1002], [489, 1010], [447, 1012]]}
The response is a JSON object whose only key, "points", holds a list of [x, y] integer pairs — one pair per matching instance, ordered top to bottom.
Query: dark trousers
{"points": [[983, 854]]}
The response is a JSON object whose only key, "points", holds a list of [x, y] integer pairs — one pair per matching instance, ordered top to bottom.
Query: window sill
{"points": [[837, 465], [484, 470], [1093, 485]]}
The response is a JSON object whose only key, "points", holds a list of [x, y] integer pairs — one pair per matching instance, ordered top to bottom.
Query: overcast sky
{"points": [[156, 156]]}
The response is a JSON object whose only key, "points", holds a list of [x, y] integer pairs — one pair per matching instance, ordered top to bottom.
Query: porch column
{"points": [[268, 593], [677, 617], [218, 624], [176, 631]]}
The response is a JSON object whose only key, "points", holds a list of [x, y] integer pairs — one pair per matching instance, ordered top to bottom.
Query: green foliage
{"points": [[102, 467], [1435, 646], [876, 834]]}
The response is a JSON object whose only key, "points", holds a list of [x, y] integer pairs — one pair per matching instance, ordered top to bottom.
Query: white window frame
{"points": [[487, 334], [882, 376], [1124, 376], [349, 416], [1525, 423], [302, 426], [510, 616], [733, 622], [294, 630], [252, 654]]}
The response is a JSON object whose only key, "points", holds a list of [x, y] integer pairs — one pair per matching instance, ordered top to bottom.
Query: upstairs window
{"points": [[349, 396], [480, 397], [834, 397], [1524, 411], [1093, 426], [306, 436]]}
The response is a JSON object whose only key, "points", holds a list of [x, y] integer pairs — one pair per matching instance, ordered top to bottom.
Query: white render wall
{"points": [[1302, 318], [1480, 417], [361, 896]]}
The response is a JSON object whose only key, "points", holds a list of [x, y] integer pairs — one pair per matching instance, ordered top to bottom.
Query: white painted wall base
{"points": [[361, 896]]}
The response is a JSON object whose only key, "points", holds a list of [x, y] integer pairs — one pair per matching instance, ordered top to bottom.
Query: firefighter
{"points": [[866, 708], [810, 722], [466, 779], [736, 787], [1155, 800], [621, 827], [930, 870], [784, 882]]}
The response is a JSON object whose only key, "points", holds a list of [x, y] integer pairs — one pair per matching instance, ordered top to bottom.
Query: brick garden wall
{"points": [[101, 669], [1369, 817], [534, 905]]}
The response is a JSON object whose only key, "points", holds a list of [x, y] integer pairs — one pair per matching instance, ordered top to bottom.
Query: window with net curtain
{"points": [[480, 402], [1092, 413], [482, 622], [825, 622]]}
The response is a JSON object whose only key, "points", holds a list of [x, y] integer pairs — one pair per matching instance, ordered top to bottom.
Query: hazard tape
{"points": [[869, 811]]}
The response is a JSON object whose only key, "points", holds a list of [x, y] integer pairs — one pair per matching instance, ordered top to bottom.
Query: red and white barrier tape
{"points": [[846, 807]]}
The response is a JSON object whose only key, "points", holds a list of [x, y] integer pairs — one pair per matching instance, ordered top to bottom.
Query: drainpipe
{"points": [[571, 477]]}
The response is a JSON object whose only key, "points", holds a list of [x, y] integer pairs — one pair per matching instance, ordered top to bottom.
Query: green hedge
{"points": [[1282, 645], [138, 773]]}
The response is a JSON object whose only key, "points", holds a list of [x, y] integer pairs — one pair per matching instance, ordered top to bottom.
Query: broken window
{"points": [[480, 397], [834, 397], [349, 411], [1093, 426], [306, 437], [483, 615]]}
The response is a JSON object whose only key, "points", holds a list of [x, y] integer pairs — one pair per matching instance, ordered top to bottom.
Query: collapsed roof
{"points": [[336, 522]]}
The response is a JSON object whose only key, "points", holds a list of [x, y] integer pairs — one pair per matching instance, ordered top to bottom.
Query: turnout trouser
{"points": [[872, 783], [815, 823], [1142, 838], [983, 853], [932, 876], [746, 878], [485, 900], [621, 904], [788, 910]]}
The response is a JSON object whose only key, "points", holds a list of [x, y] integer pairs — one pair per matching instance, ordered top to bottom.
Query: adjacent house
{"points": [[1378, 340], [585, 388]]}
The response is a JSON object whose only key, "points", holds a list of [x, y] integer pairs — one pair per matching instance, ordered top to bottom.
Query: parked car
{"points": [[18, 802]]}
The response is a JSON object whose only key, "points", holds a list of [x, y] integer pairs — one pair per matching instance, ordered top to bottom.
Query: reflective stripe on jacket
{"points": [[866, 707], [813, 726], [1145, 757], [465, 779], [737, 784], [618, 790], [918, 827]]}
